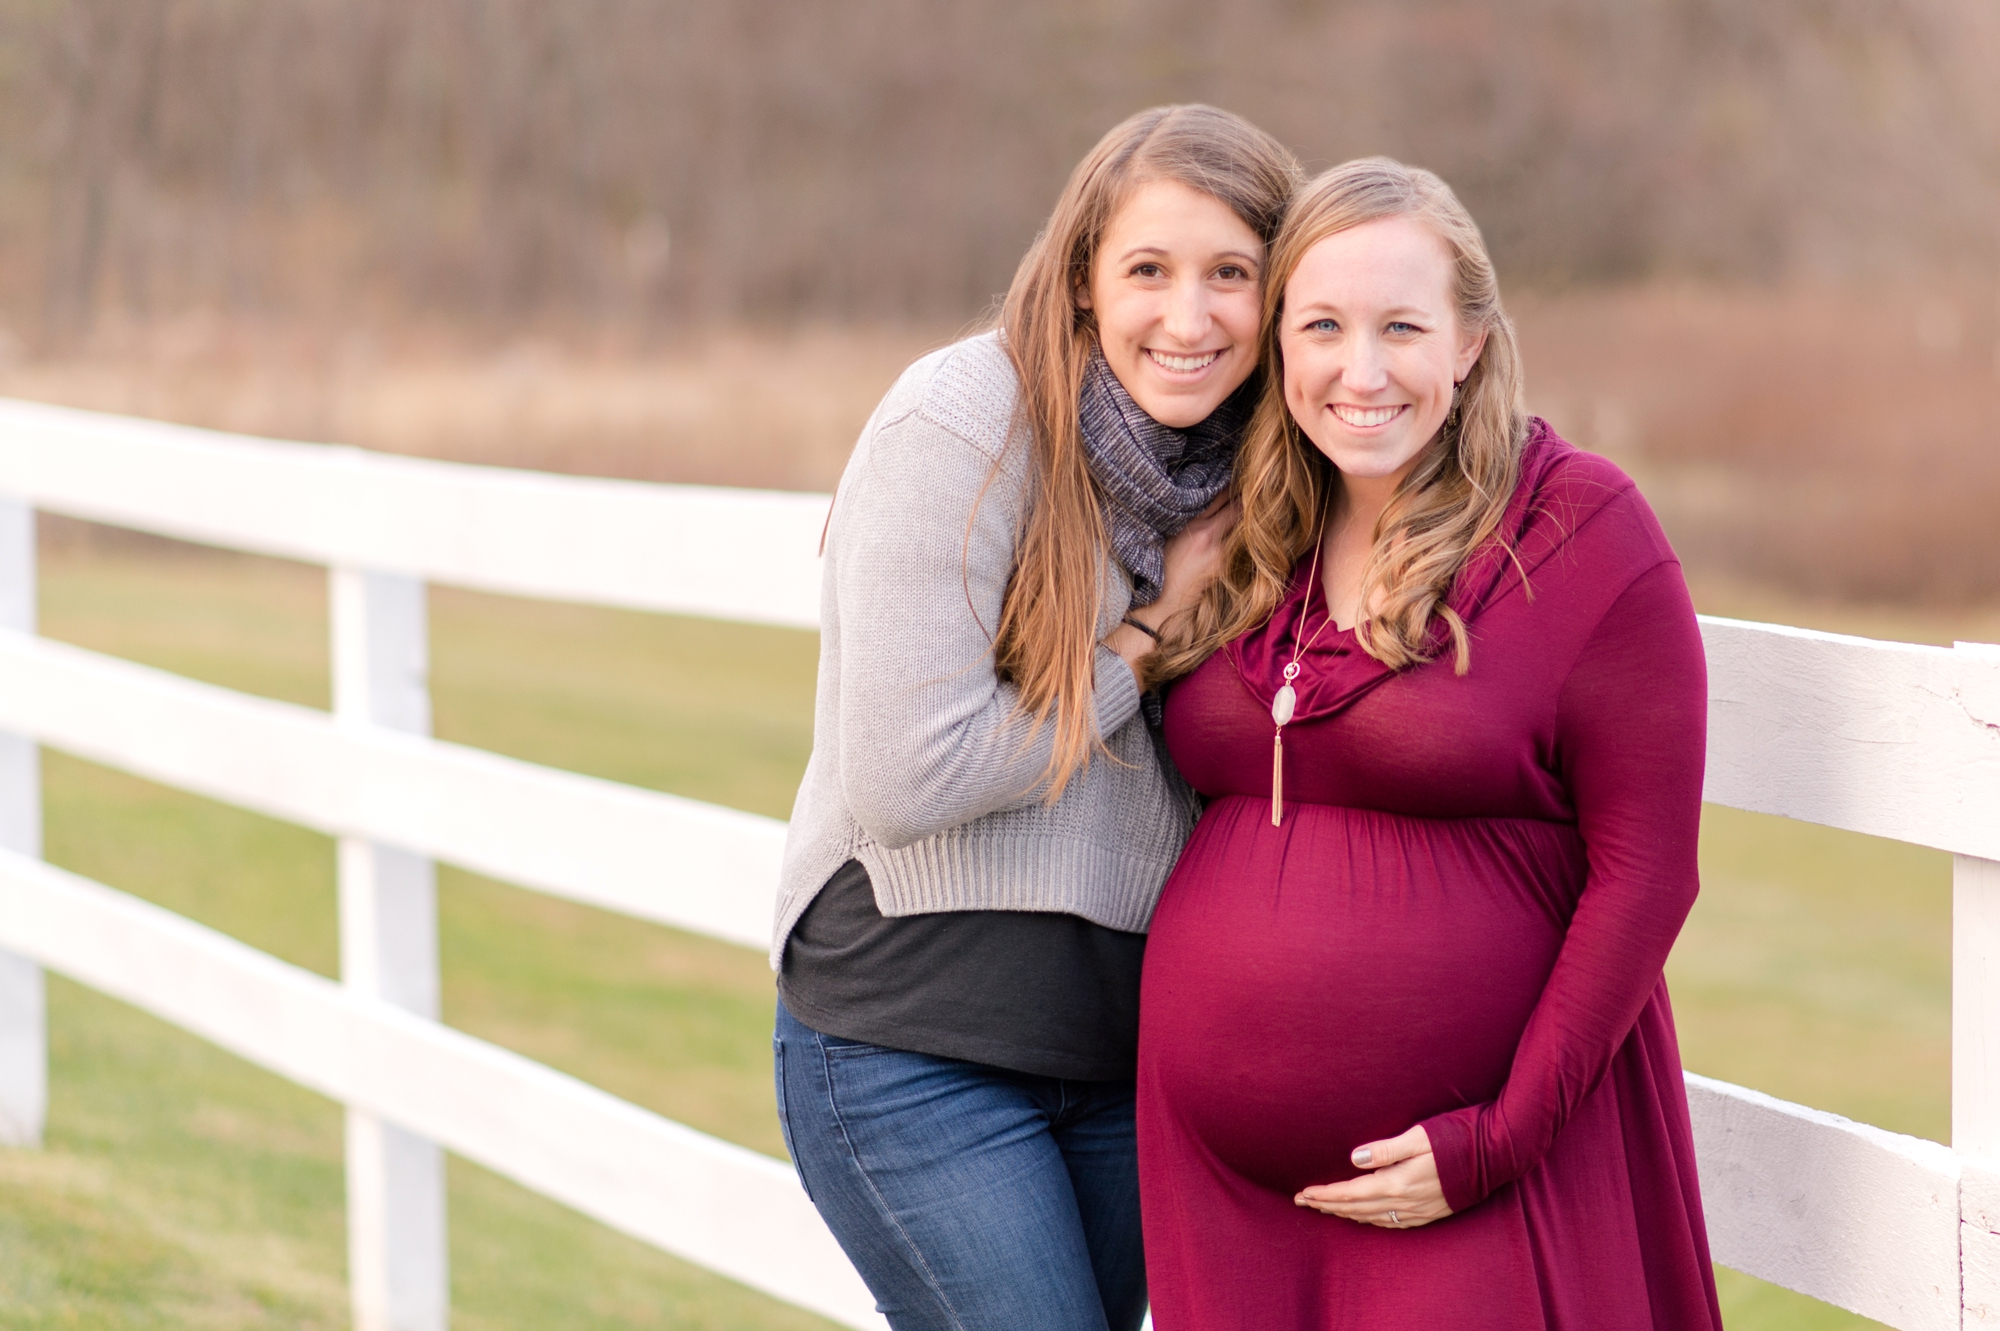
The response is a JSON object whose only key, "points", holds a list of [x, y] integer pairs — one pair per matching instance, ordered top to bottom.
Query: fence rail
{"points": [[683, 549], [1891, 739], [659, 857], [715, 1203], [1857, 1216]]}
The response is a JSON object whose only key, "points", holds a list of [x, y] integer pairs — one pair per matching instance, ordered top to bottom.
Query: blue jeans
{"points": [[969, 1197]]}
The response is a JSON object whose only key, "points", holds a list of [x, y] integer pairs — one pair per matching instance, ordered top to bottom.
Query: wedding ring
{"points": [[1392, 1220]]}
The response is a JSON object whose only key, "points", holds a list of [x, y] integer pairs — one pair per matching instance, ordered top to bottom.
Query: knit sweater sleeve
{"points": [[920, 549], [1630, 731]]}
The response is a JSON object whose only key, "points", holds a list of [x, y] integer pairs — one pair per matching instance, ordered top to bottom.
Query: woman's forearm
{"points": [[1632, 731], [930, 737]]}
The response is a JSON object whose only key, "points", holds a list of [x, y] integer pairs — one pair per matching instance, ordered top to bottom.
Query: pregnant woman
{"points": [[985, 822], [1406, 1057]]}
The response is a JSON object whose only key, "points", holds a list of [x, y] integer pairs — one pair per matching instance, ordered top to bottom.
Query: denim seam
{"points": [[785, 1115], [854, 1154]]}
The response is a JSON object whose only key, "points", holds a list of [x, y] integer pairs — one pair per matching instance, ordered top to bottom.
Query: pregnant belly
{"points": [[1336, 980]]}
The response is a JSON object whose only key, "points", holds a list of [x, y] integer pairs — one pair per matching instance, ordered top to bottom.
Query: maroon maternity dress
{"points": [[1461, 923]]}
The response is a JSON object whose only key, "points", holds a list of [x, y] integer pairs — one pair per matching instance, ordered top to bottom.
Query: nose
{"points": [[1187, 314], [1365, 369]]}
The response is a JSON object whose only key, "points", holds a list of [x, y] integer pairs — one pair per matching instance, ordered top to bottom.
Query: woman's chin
{"points": [[1180, 406], [1369, 460]]}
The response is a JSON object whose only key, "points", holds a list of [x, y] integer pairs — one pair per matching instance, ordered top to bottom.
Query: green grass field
{"points": [[182, 1188]]}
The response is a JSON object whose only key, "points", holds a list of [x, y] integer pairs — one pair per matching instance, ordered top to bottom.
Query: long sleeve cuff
{"points": [[1115, 691], [1468, 1174]]}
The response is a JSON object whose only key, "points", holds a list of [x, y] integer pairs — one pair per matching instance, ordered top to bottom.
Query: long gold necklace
{"points": [[1287, 699]]}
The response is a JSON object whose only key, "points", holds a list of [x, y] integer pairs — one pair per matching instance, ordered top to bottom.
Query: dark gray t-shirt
{"points": [[1043, 993]]}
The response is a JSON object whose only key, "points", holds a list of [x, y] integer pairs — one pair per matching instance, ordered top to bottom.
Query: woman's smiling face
{"points": [[1174, 288], [1372, 345]]}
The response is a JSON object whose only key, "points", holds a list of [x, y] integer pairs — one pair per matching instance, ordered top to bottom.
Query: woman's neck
{"points": [[1361, 500], [1350, 539]]}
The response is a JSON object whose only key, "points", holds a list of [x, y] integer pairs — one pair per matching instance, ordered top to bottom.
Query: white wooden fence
{"points": [[1886, 738]]}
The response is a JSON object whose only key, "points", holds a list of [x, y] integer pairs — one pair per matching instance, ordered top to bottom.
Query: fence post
{"points": [[24, 1040], [1975, 1081], [397, 1269]]}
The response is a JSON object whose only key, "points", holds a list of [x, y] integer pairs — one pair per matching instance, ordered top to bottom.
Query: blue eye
{"points": [[1323, 326], [1402, 329]]}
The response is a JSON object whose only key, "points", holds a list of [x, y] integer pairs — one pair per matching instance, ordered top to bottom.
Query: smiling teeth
{"points": [[1183, 364], [1364, 417]]}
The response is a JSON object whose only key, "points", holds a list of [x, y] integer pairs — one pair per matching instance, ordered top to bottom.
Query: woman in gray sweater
{"points": [[986, 820]]}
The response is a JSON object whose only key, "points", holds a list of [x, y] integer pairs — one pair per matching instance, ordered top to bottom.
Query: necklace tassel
{"points": [[1285, 703], [1278, 777]]}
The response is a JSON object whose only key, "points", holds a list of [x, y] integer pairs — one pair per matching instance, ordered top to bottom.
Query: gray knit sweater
{"points": [[921, 767]]}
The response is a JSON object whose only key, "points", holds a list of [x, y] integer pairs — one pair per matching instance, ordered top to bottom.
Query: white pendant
{"points": [[1283, 705]]}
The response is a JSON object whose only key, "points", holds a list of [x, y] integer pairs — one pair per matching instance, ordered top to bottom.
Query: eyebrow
{"points": [[1238, 255], [1397, 312]]}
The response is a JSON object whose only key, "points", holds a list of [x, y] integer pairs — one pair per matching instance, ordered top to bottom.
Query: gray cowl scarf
{"points": [[1155, 479]]}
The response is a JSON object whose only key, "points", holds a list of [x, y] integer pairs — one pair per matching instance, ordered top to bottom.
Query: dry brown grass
{"points": [[730, 408], [1837, 446]]}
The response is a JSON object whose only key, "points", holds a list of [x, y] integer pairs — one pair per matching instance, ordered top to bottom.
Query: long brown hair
{"points": [[1449, 504], [1046, 641]]}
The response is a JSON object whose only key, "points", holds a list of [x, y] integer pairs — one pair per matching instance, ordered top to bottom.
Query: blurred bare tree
{"points": [[653, 160]]}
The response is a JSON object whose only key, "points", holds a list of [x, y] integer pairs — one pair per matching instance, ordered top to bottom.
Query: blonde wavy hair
{"points": [[1445, 509], [1046, 640]]}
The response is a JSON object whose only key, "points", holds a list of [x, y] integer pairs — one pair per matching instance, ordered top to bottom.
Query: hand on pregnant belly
{"points": [[1402, 1192]]}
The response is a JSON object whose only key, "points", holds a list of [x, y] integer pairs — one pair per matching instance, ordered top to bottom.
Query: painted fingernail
{"points": [[1364, 1156]]}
